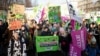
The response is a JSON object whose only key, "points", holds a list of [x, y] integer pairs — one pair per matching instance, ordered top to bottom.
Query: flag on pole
{"points": [[94, 1], [73, 13]]}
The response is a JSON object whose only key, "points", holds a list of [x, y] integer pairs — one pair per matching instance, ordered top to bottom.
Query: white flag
{"points": [[94, 1], [77, 18]]}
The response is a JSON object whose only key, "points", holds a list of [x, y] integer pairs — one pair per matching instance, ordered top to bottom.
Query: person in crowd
{"points": [[3, 27], [39, 28], [54, 28], [69, 28], [94, 30], [45, 32], [99, 36], [64, 40], [17, 45], [92, 49]]}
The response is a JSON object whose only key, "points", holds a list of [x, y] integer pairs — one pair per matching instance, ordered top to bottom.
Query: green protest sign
{"points": [[54, 14], [47, 43]]}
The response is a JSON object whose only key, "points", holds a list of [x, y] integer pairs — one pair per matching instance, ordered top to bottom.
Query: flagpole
{"points": [[94, 3], [68, 9]]}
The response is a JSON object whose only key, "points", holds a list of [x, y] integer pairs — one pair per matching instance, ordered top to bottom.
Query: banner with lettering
{"points": [[79, 38], [47, 43], [75, 51]]}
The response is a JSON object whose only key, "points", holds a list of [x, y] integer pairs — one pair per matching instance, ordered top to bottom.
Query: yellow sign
{"points": [[18, 9]]}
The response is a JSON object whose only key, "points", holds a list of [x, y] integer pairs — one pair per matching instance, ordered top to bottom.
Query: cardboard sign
{"points": [[18, 9], [54, 14], [13, 25], [47, 43]]}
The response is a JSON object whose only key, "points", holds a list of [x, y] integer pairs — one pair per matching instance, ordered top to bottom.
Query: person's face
{"points": [[0, 22], [47, 22], [93, 26], [99, 26], [23, 28], [45, 29], [16, 35]]}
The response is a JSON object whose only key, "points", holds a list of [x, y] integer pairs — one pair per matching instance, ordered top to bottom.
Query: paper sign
{"points": [[18, 9], [54, 14]]}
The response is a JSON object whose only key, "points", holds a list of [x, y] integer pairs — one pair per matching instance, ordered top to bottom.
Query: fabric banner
{"points": [[64, 18], [77, 18], [73, 23], [79, 38], [47, 43], [75, 51]]}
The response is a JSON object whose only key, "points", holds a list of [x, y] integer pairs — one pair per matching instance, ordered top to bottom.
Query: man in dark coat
{"points": [[3, 27]]}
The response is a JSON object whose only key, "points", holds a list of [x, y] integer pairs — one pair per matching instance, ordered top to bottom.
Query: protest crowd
{"points": [[44, 31], [20, 41]]}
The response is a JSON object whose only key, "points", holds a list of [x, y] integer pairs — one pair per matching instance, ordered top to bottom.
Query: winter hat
{"points": [[93, 40]]}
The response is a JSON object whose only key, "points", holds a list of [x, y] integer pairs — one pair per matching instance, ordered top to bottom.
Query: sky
{"points": [[57, 2]]}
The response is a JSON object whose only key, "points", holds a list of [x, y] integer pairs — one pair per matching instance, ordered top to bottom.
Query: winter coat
{"points": [[65, 42], [17, 47], [92, 51]]}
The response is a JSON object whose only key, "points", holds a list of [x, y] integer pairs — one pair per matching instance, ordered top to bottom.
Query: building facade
{"points": [[88, 6]]}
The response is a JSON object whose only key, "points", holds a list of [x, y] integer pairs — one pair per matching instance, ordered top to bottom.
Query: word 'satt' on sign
{"points": [[13, 25]]}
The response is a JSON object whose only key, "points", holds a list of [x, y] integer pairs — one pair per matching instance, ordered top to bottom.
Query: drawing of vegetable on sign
{"points": [[54, 14]]}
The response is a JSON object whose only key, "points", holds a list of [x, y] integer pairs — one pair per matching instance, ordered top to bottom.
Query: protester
{"points": [[3, 29], [46, 32], [99, 36], [64, 40], [17, 45], [92, 49]]}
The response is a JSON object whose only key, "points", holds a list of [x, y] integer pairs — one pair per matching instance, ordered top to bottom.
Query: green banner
{"points": [[54, 14], [98, 20], [47, 43]]}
